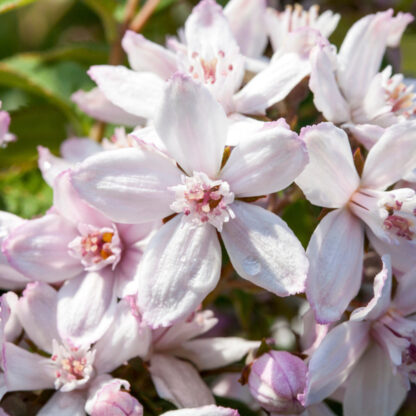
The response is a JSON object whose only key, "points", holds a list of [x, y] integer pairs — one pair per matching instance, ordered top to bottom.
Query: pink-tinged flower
{"points": [[293, 30], [298, 30], [210, 55], [348, 87], [96, 105], [5, 136], [330, 180], [96, 257], [181, 264], [10, 278], [373, 352], [177, 354], [79, 373], [277, 379], [106, 399], [204, 411]]}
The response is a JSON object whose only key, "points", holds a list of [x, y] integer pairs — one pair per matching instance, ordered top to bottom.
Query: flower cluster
{"points": [[116, 275]]}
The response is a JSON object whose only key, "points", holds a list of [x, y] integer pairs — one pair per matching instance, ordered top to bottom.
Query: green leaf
{"points": [[164, 4], [7, 5], [106, 9], [408, 46], [88, 54], [55, 83], [38, 125], [25, 193]]}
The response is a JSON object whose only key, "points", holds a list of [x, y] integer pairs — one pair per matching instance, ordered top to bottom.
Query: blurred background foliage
{"points": [[46, 47]]}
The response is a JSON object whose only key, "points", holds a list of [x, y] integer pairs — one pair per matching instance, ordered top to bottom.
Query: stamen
{"points": [[400, 96], [203, 200], [391, 215], [96, 248], [74, 366]]}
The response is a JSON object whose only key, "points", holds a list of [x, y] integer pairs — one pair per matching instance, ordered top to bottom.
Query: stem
{"points": [[143, 16]]}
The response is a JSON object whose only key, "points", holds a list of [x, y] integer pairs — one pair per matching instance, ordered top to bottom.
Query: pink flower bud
{"points": [[276, 379], [111, 401]]}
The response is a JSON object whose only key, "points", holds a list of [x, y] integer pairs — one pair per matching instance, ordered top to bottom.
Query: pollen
{"points": [[204, 200]]}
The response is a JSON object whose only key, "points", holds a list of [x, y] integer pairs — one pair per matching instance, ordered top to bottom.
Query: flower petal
{"points": [[247, 22], [397, 27], [361, 53], [213, 54], [144, 55], [272, 84], [138, 93], [327, 96], [96, 105], [366, 134], [194, 140], [76, 149], [392, 157], [267, 162], [50, 165], [330, 177], [128, 185], [69, 204], [39, 249], [264, 250], [335, 252], [402, 255], [180, 266], [127, 269], [10, 278], [405, 296], [380, 302], [86, 307], [37, 313], [10, 326], [173, 337], [124, 339], [209, 353], [334, 359], [26, 371], [178, 381], [383, 393], [106, 398], [65, 404], [320, 409], [203, 411]]}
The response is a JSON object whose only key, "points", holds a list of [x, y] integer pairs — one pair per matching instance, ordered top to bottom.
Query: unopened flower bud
{"points": [[275, 381], [109, 400]]}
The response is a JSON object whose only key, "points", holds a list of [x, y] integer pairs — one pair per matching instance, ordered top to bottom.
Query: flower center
{"points": [[294, 18], [206, 69], [400, 96], [119, 140], [203, 200], [391, 215], [96, 247], [400, 332], [409, 362], [74, 366]]}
